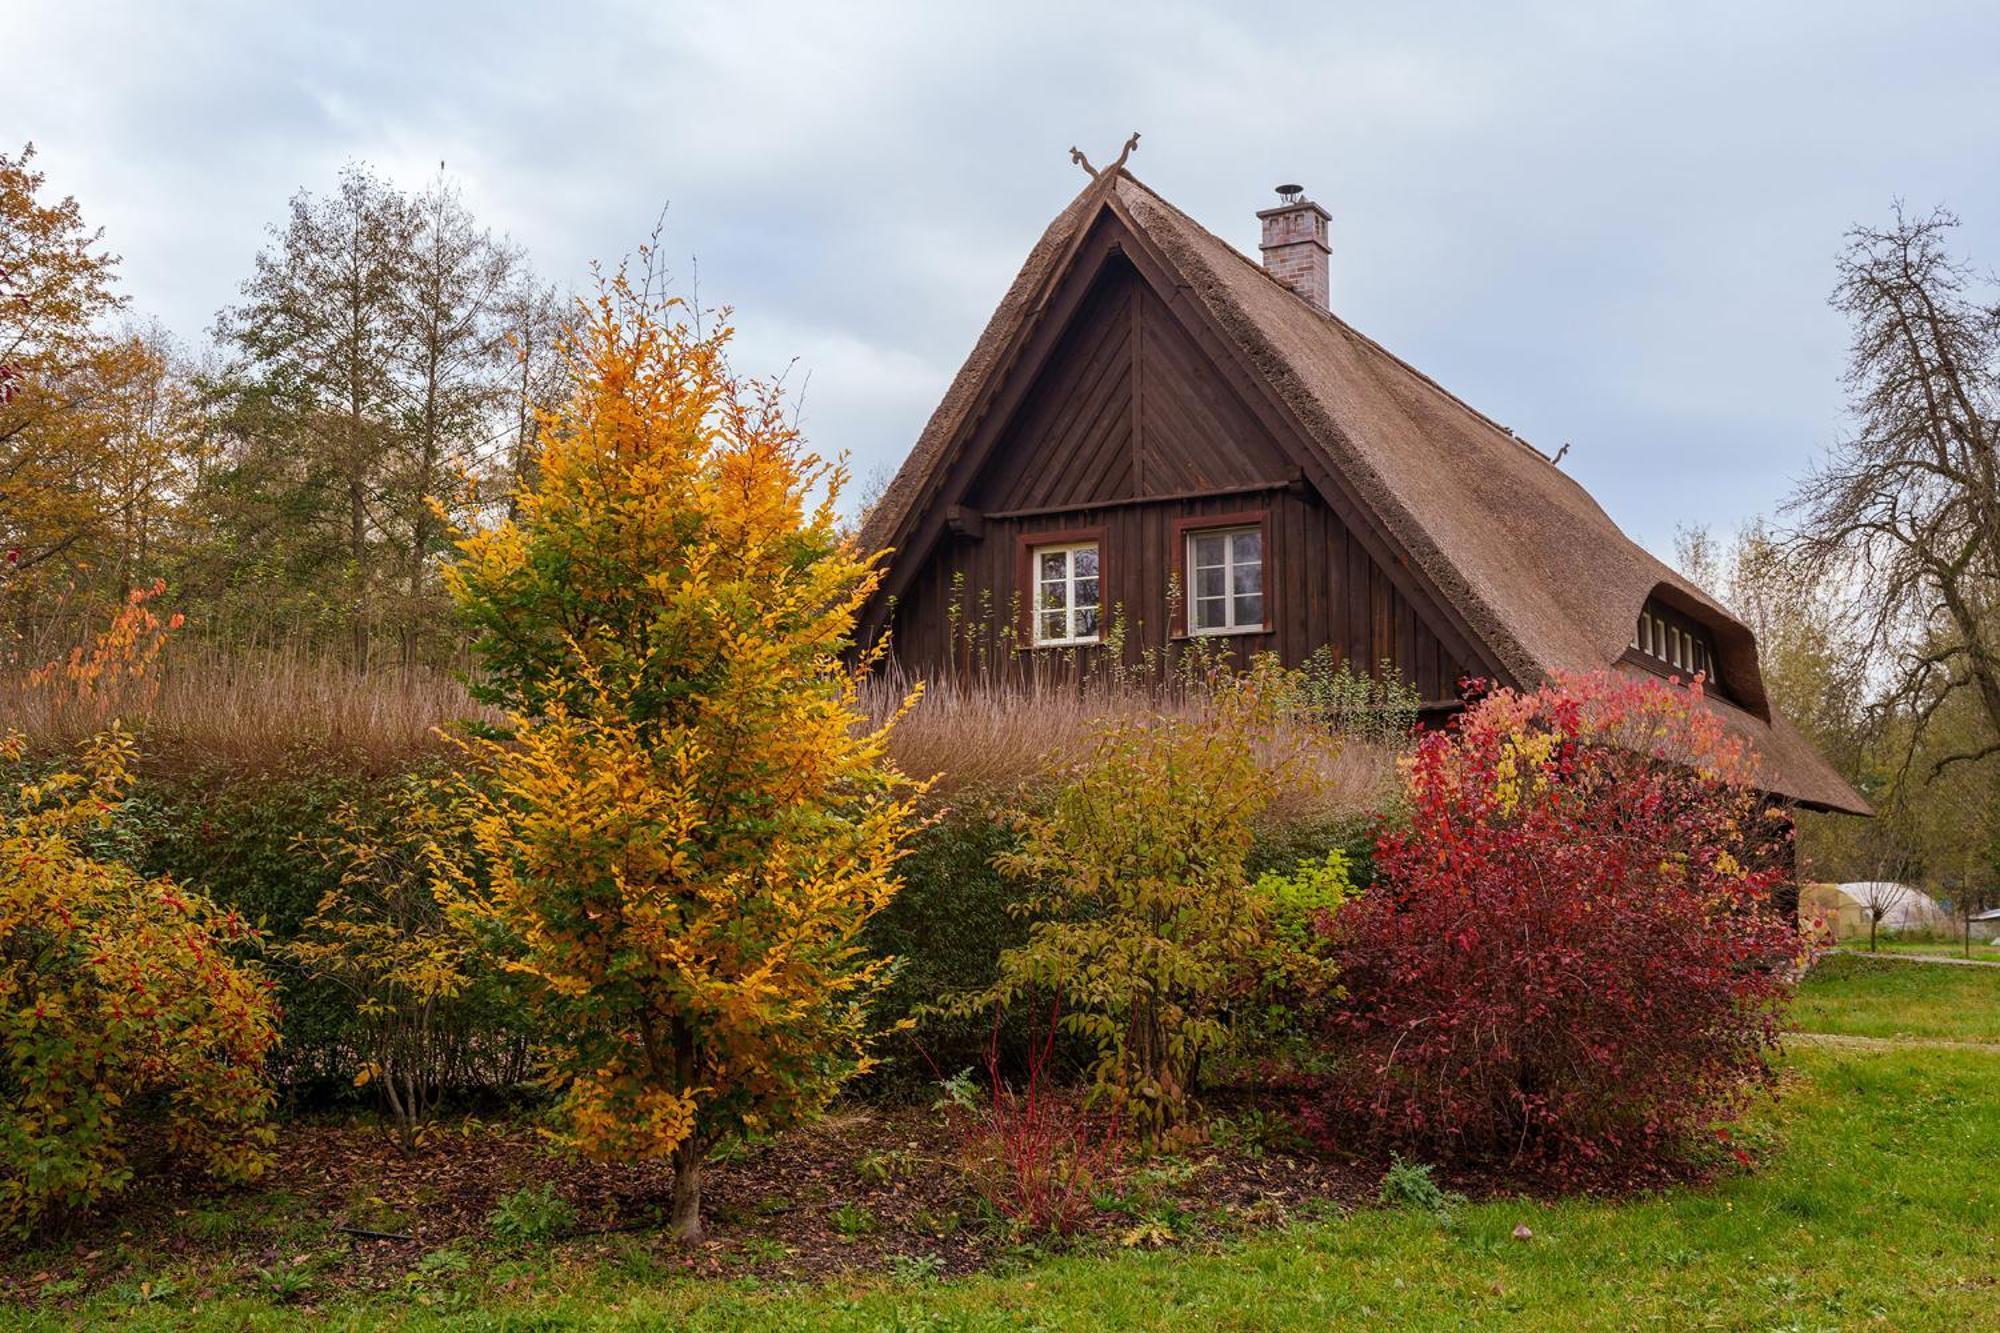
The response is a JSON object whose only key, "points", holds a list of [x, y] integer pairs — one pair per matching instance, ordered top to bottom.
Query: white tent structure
{"points": [[1904, 907]]}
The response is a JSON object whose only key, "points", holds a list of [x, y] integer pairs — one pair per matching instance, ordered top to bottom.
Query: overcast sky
{"points": [[1615, 229]]}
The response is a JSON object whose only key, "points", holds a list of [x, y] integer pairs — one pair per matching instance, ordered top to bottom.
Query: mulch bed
{"points": [[848, 1195]]}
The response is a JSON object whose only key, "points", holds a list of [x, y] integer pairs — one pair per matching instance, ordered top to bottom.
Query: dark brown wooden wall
{"points": [[1126, 407], [1129, 428], [1323, 587]]}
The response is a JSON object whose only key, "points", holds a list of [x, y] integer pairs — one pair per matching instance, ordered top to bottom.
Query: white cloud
{"points": [[1610, 224]]}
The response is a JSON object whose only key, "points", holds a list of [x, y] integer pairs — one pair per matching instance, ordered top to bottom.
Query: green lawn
{"points": [[1928, 948], [1884, 997], [1876, 1206]]}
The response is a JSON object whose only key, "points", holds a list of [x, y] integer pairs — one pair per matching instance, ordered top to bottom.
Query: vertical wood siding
{"points": [[1126, 427], [964, 608]]}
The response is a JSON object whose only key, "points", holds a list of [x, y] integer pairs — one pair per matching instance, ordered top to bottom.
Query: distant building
{"points": [[1906, 909], [1842, 917]]}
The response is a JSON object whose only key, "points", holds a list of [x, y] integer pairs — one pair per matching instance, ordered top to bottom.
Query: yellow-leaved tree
{"points": [[689, 821]]}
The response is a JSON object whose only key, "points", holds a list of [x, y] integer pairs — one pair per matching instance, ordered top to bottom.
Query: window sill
{"points": [[1240, 632], [1067, 643], [1667, 670]]}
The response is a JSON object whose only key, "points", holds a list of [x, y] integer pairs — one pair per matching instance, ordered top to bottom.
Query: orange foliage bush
{"points": [[118, 993]]}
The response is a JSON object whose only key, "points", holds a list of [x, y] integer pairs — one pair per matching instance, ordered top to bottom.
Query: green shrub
{"points": [[236, 835], [1282, 846], [305, 850], [1298, 896], [1145, 924], [946, 929], [1297, 960], [432, 1013], [1412, 1185], [532, 1215]]}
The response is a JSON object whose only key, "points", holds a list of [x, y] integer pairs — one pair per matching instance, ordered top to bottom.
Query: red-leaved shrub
{"points": [[1570, 956], [1037, 1153]]}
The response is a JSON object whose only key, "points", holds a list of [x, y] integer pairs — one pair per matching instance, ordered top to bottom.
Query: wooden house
{"points": [[1159, 437]]}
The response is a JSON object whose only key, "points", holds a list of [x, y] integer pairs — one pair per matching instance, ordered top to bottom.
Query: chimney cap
{"points": [[1290, 193]]}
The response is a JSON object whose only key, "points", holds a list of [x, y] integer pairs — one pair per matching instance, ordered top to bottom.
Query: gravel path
{"points": [[1918, 958], [1889, 1043]]}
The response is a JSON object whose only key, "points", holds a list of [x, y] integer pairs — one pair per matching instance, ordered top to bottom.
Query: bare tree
{"points": [[535, 316], [320, 325], [450, 345], [377, 403], [1907, 510], [1882, 895]]}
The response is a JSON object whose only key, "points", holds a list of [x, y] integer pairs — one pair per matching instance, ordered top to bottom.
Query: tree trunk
{"points": [[357, 552], [685, 1224]]}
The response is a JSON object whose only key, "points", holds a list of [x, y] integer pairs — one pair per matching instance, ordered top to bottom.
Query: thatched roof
{"points": [[1527, 561]]}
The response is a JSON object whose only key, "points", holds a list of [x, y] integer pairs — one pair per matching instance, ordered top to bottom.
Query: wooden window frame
{"points": [[1025, 546], [1181, 562], [1193, 568], [1671, 643]]}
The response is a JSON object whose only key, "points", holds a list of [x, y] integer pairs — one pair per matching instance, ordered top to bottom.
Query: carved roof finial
{"points": [[1076, 156]]}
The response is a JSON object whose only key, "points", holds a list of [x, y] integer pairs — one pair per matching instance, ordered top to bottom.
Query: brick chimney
{"points": [[1294, 245]]}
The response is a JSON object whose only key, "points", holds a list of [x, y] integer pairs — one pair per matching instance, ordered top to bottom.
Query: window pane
{"points": [[1247, 546], [1208, 549], [1086, 561], [1055, 565], [1247, 578], [1208, 582], [1086, 592], [1052, 597], [1250, 609], [1211, 613], [1086, 622], [1052, 625]]}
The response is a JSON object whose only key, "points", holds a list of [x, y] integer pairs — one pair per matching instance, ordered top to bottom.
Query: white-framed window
{"points": [[1225, 580], [1068, 597], [1674, 646]]}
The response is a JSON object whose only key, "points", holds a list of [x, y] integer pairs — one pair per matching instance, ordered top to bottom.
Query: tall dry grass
{"points": [[203, 704], [994, 740]]}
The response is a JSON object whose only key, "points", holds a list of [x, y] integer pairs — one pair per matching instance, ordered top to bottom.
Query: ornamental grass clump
{"points": [[1571, 954]]}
